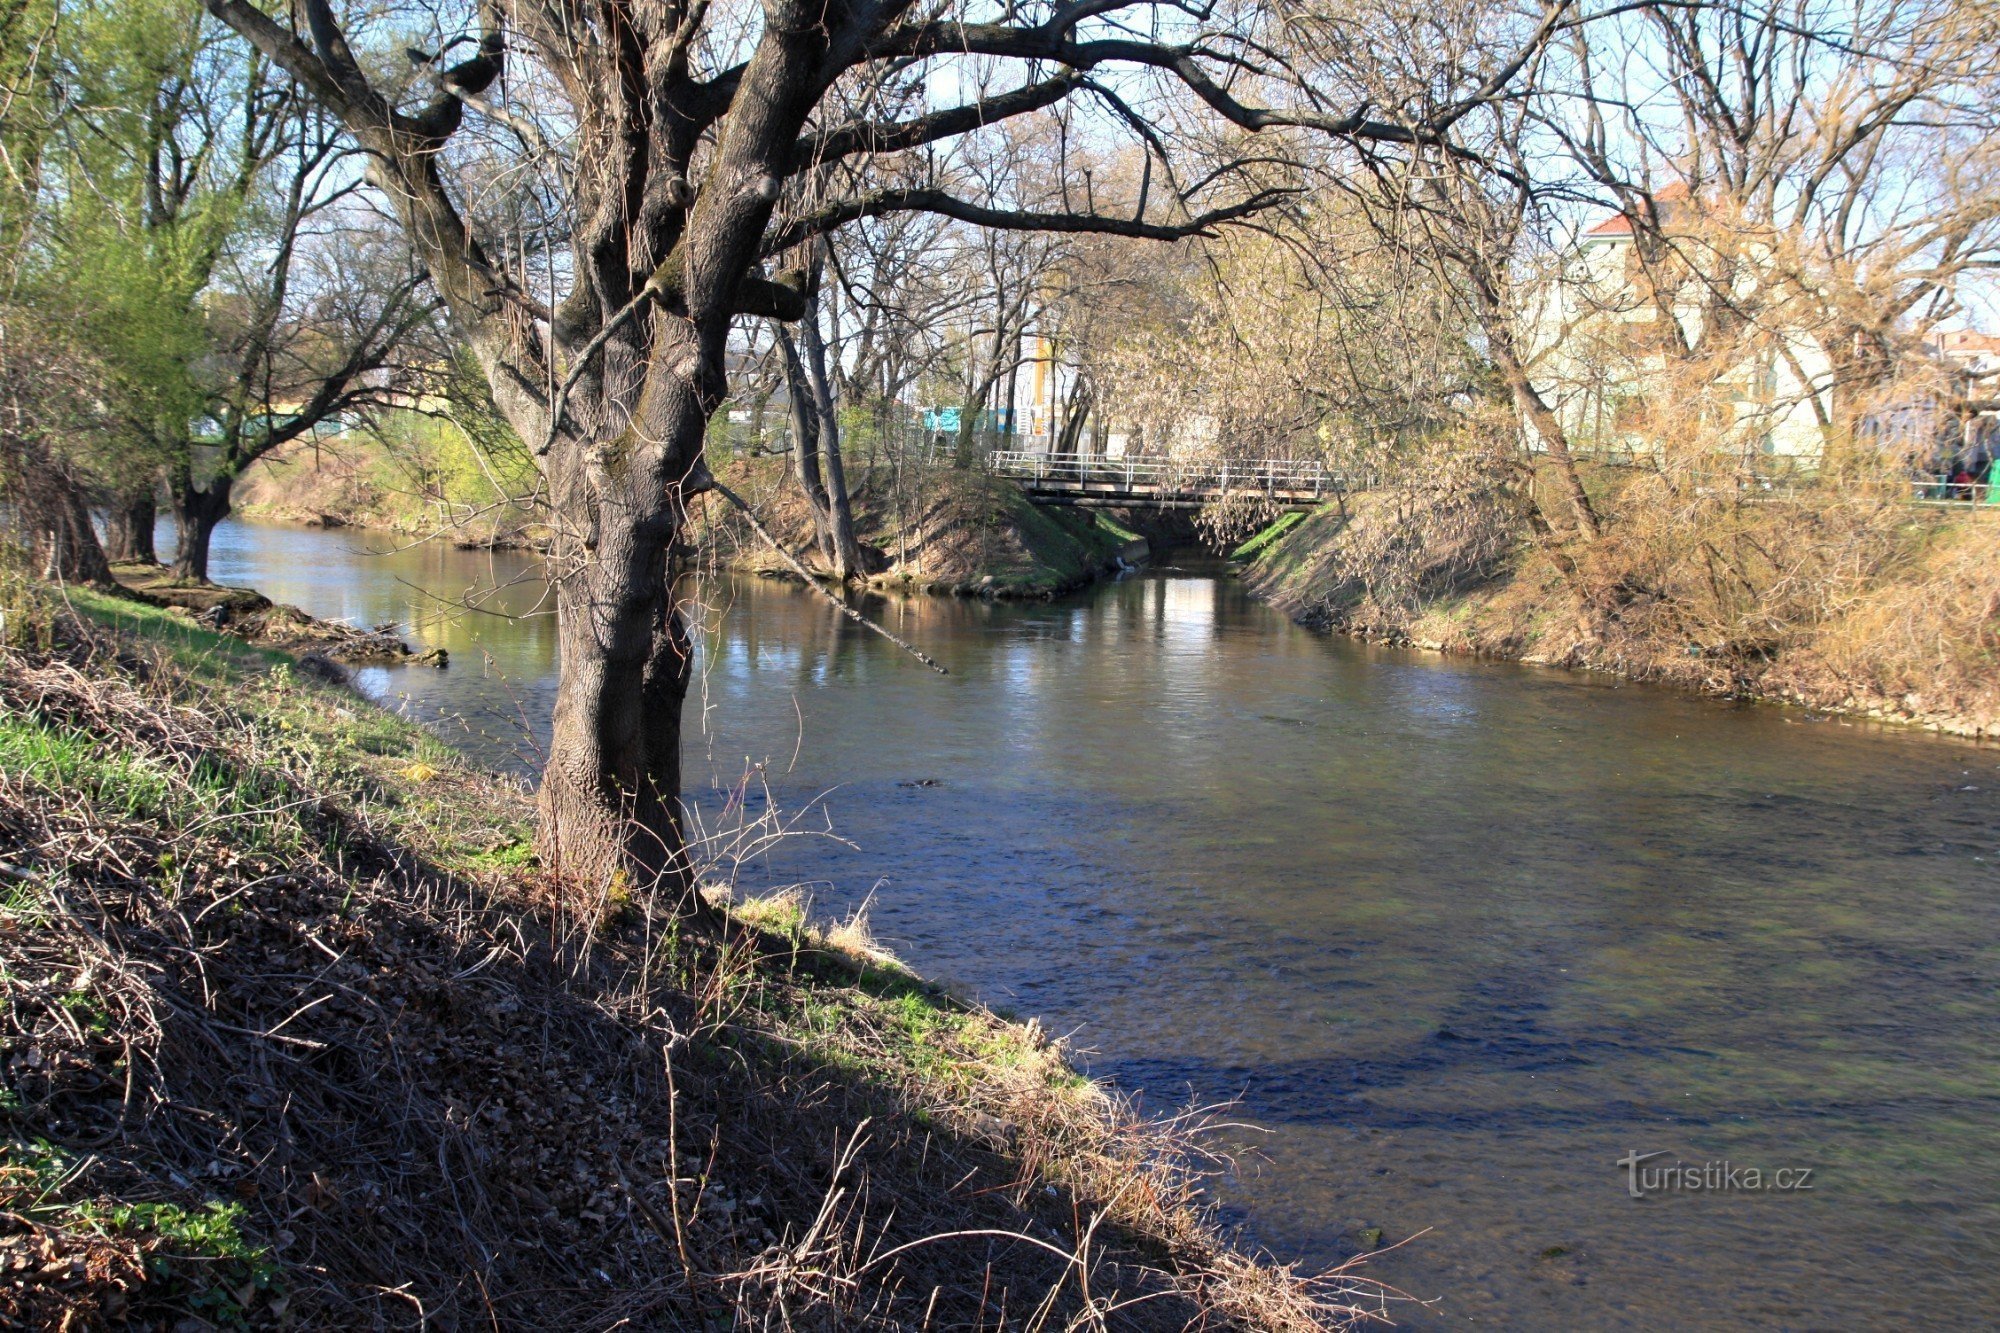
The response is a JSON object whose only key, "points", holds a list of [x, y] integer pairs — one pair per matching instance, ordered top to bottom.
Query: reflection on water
{"points": [[1460, 935]]}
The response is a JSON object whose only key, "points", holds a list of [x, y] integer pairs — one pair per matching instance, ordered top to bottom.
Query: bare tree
{"points": [[679, 126], [1828, 174], [293, 349], [816, 456]]}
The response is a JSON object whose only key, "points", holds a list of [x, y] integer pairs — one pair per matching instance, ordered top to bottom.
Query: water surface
{"points": [[1459, 936]]}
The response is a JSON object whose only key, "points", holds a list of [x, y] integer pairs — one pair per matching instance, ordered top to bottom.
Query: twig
{"points": [[582, 362], [813, 583]]}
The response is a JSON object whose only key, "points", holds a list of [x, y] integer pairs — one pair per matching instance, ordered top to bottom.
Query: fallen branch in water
{"points": [[814, 584]]}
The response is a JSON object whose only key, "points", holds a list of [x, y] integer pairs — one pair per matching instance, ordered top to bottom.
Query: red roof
{"points": [[1674, 192], [1970, 340]]}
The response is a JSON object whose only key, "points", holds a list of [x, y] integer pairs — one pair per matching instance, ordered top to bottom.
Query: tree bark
{"points": [[1535, 409], [1075, 413], [1556, 441], [805, 447], [964, 449], [839, 506], [198, 511], [129, 527], [62, 540], [610, 793]]}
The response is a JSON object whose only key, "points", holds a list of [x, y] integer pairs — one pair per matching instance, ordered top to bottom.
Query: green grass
{"points": [[1261, 542], [1067, 546], [199, 651], [297, 736], [133, 787], [517, 853], [914, 1030], [200, 1257]]}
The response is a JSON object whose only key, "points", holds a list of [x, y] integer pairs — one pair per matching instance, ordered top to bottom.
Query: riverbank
{"points": [[431, 485], [923, 529], [941, 530], [248, 615], [1911, 635], [300, 1035]]}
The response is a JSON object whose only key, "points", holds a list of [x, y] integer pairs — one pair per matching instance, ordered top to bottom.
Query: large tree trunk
{"points": [[1535, 409], [1076, 413], [1555, 441], [805, 447], [965, 451], [839, 507], [198, 511], [128, 527], [62, 541], [610, 794]]}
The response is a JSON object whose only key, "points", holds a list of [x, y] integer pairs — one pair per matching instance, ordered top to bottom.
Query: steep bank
{"points": [[431, 484], [944, 530], [1909, 630], [299, 1035]]}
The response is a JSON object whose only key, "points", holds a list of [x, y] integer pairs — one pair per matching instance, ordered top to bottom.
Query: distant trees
{"points": [[669, 147], [1837, 173], [1802, 191], [193, 219], [1250, 230], [304, 322], [90, 356], [49, 393], [817, 462]]}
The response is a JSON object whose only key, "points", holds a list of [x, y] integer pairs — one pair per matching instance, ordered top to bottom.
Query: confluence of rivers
{"points": [[1459, 936]]}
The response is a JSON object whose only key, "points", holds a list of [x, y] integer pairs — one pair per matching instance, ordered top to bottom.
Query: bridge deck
{"points": [[1158, 483], [1165, 483]]}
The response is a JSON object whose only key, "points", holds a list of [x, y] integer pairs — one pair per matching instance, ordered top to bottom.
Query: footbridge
{"points": [[1164, 483]]}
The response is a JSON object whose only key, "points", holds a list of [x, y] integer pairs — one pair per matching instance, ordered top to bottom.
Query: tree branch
{"points": [[898, 136], [1001, 219]]}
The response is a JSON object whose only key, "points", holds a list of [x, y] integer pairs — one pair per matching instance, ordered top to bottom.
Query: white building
{"points": [[1596, 347]]}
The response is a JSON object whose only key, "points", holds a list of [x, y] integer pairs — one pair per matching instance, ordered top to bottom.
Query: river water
{"points": [[1457, 936]]}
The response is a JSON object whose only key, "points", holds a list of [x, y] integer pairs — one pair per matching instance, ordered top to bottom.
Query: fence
{"points": [[1291, 478]]}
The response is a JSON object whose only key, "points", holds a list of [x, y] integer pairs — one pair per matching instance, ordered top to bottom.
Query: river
{"points": [[1458, 936]]}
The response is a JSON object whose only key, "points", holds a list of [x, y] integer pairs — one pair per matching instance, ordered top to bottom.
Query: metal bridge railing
{"points": [[1167, 475], [1297, 479], [1974, 497]]}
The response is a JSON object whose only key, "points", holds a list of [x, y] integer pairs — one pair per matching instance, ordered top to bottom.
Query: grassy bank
{"points": [[425, 480], [1846, 602], [297, 1034]]}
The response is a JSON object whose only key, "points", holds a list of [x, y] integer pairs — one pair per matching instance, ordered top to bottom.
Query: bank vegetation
{"points": [[300, 1033]]}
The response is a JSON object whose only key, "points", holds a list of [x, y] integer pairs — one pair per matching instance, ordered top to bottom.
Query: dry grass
{"points": [[1837, 596], [1924, 643], [296, 1036]]}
